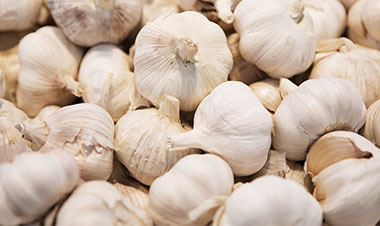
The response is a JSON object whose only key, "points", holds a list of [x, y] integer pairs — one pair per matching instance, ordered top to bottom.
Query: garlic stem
{"points": [[105, 4], [223, 7], [296, 11], [186, 49], [68, 83], [169, 107], [35, 132], [189, 139]]}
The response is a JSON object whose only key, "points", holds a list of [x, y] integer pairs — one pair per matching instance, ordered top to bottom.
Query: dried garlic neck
{"points": [[105, 4], [296, 11], [186, 49], [69, 84], [169, 107], [35, 132]]}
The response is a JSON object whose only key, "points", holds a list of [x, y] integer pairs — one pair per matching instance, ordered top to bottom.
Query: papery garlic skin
{"points": [[155, 8], [19, 15], [276, 36], [183, 55], [49, 65], [268, 92], [317, 106], [9, 110], [45, 112], [232, 123], [371, 129], [34, 182], [191, 191], [135, 196], [269, 200], [100, 203]]}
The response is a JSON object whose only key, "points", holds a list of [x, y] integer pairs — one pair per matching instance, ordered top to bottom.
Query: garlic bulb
{"points": [[348, 3], [154, 8], [19, 15], [328, 16], [87, 23], [364, 23], [276, 36], [183, 55], [343, 59], [10, 66], [48, 68], [242, 70], [108, 82], [268, 92], [317, 106], [10, 111], [45, 112], [232, 123], [371, 129], [84, 130], [140, 140], [345, 166], [295, 171], [34, 182], [191, 192], [135, 196], [269, 200], [100, 203]]}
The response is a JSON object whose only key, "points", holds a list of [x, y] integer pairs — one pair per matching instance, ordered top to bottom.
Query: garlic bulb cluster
{"points": [[155, 8], [19, 15], [87, 23], [364, 23], [276, 36], [183, 55], [49, 65], [107, 81], [268, 92], [317, 106], [231, 122], [371, 129], [83, 130], [141, 146], [345, 167], [34, 182], [191, 192], [269, 200], [100, 203]]}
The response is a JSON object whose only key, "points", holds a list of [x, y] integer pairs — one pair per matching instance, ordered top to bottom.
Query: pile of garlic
{"points": [[189, 112]]}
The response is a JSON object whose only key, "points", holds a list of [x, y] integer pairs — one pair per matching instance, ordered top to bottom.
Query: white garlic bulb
{"points": [[348, 3], [155, 8], [19, 15], [328, 16], [87, 23], [364, 23], [276, 36], [183, 55], [343, 59], [49, 65], [107, 81], [268, 92], [317, 106], [9, 110], [231, 122], [371, 129], [84, 130], [140, 140], [345, 167], [34, 182], [191, 192], [136, 197], [269, 200], [100, 203]]}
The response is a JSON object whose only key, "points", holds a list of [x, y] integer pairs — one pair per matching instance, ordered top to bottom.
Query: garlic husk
{"points": [[155, 8], [19, 15], [87, 23], [364, 23], [276, 36], [183, 55], [341, 58], [49, 65], [242, 70], [107, 81], [268, 92], [317, 106], [9, 110], [45, 112], [232, 123], [371, 129], [83, 130], [140, 140], [355, 162], [295, 171], [34, 182], [189, 195], [135, 196], [269, 200], [100, 203]]}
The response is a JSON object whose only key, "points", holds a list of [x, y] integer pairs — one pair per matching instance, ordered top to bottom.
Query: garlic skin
{"points": [[155, 8], [19, 15], [87, 23], [364, 23], [276, 36], [183, 55], [49, 65], [268, 92], [317, 106], [10, 111], [45, 112], [232, 123], [371, 129], [83, 130], [140, 140], [344, 158], [295, 171], [33, 183], [188, 195], [135, 196], [269, 200], [100, 203]]}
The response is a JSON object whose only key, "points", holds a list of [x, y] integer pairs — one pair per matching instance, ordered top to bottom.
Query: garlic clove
{"points": [[20, 15], [285, 87], [268, 92], [45, 112], [371, 129], [295, 171], [135, 196]]}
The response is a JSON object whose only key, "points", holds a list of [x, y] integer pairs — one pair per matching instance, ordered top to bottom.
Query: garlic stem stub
{"points": [[183, 55], [232, 123]]}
